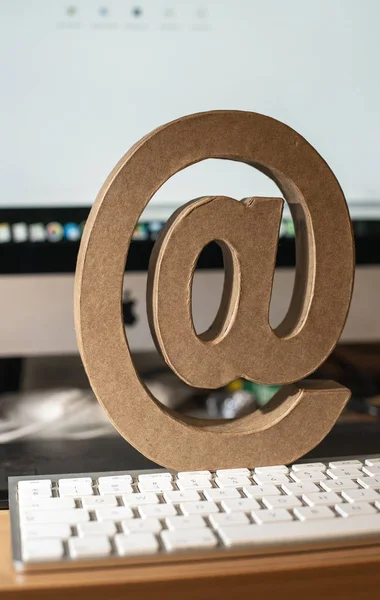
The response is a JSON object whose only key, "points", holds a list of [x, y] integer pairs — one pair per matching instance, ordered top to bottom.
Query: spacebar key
{"points": [[305, 531]]}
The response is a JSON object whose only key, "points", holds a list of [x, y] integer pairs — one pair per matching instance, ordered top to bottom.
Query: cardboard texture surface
{"points": [[240, 342]]}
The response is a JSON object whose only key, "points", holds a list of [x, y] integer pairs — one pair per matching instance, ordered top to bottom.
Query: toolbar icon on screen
{"points": [[137, 11], [155, 228], [54, 231], [72, 231], [20, 232], [37, 232], [5, 233], [140, 233]]}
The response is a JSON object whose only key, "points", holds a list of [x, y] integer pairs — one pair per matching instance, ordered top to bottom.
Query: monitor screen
{"points": [[82, 81]]}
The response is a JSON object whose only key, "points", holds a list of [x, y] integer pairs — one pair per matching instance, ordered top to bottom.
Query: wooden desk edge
{"points": [[348, 571]]}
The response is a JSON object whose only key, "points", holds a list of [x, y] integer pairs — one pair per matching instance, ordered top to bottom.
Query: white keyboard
{"points": [[134, 517]]}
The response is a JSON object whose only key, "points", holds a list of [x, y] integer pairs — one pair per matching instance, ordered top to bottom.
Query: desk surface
{"points": [[348, 574]]}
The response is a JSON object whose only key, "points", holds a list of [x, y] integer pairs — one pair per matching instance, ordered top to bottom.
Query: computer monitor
{"points": [[82, 81]]}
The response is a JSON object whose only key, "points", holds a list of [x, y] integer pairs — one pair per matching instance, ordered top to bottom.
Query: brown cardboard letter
{"points": [[240, 342]]}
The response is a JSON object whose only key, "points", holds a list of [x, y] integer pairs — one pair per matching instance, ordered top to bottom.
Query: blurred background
{"points": [[83, 81]]}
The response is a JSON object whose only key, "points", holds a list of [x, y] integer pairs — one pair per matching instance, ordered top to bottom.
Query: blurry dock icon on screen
{"points": [[54, 231], [20, 232], [37, 232], [73, 232], [5, 233], [140, 233]]}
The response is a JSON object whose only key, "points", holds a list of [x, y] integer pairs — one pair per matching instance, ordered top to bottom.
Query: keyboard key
{"points": [[371, 462], [345, 463], [318, 466], [272, 469], [372, 470], [227, 472], [341, 472], [194, 474], [310, 475], [155, 476], [273, 478], [115, 479], [74, 481], [232, 481], [369, 482], [194, 483], [26, 484], [155, 485], [337, 485], [29, 486], [36, 487], [110, 487], [297, 489], [76, 491], [258, 491], [34, 492], [218, 494], [368, 495], [177, 496], [139, 498], [322, 499], [281, 501], [90, 502], [43, 503], [240, 505], [198, 508], [157, 510], [353, 510], [113, 513], [306, 513], [69, 515], [271, 516], [223, 519], [182, 522], [150, 525], [96, 528], [52, 530], [302, 531], [182, 539], [137, 543], [88, 547], [44, 549]]}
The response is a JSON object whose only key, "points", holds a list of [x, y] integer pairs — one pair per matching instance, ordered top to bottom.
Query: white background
{"points": [[77, 92]]}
